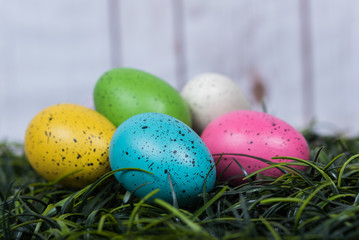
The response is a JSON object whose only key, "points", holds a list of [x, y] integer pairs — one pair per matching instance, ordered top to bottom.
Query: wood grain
{"points": [[305, 15], [115, 32], [147, 37], [335, 38], [179, 43], [54, 52], [300, 56]]}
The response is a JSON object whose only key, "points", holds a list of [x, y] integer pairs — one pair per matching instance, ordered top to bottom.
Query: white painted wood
{"points": [[147, 37], [235, 38], [54, 52], [278, 57], [336, 58], [2, 70]]}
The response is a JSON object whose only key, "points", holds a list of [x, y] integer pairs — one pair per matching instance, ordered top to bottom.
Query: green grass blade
{"points": [[331, 162], [344, 167], [325, 176], [276, 200], [307, 201], [209, 203], [137, 207], [191, 224], [270, 228]]}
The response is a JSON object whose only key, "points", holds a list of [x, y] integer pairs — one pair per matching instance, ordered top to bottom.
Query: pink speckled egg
{"points": [[253, 133]]}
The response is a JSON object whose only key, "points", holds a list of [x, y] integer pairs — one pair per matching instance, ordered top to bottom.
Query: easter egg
{"points": [[124, 92], [210, 95], [256, 134], [64, 138], [169, 150]]}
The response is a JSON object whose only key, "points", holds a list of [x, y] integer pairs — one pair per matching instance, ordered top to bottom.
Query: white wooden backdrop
{"points": [[305, 54]]}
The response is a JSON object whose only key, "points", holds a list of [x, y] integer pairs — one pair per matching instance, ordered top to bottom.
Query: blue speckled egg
{"points": [[162, 145]]}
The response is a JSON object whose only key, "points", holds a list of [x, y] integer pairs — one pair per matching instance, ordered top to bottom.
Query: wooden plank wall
{"points": [[303, 53]]}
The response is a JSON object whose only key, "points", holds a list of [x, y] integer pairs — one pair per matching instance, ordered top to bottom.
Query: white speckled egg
{"points": [[210, 95]]}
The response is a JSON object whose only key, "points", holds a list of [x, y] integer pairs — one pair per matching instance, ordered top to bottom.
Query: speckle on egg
{"points": [[122, 93], [210, 95], [257, 134], [56, 143], [164, 145]]}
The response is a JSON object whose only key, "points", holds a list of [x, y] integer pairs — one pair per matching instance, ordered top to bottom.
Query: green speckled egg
{"points": [[124, 92], [66, 137]]}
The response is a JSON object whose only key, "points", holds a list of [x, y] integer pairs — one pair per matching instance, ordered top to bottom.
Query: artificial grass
{"points": [[321, 203]]}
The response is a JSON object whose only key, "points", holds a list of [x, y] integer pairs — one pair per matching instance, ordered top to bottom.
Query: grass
{"points": [[321, 203]]}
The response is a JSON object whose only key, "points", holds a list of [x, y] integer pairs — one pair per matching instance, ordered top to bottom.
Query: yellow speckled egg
{"points": [[66, 137]]}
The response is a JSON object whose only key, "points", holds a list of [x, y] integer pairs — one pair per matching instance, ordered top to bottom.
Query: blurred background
{"points": [[300, 57]]}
